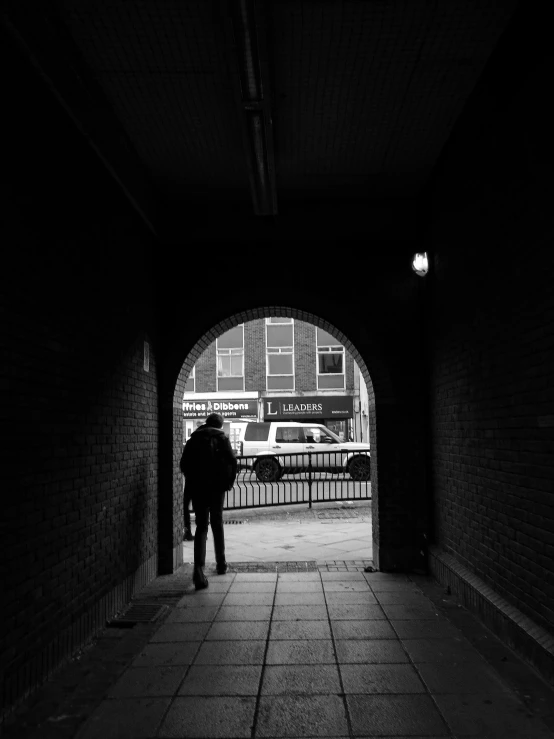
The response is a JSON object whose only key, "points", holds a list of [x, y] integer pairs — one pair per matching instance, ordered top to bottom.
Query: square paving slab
{"points": [[301, 651], [370, 651], [381, 678], [301, 679], [223, 680], [394, 715], [301, 716], [210, 717], [126, 718]]}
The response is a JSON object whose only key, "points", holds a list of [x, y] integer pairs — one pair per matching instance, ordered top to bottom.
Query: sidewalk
{"points": [[328, 533], [293, 654]]}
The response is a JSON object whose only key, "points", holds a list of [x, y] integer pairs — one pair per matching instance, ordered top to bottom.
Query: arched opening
{"points": [[376, 376], [296, 409]]}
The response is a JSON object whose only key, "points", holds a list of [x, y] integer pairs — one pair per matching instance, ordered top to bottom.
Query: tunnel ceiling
{"points": [[359, 97]]}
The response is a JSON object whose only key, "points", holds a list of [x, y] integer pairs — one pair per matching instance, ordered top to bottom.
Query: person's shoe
{"points": [[188, 536], [221, 568], [200, 581]]}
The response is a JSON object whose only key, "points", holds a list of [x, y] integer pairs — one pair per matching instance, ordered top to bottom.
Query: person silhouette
{"points": [[209, 465]]}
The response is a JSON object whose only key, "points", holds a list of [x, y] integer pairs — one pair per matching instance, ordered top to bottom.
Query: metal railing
{"points": [[289, 479]]}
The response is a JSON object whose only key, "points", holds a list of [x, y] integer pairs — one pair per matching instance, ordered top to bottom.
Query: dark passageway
{"points": [[172, 169]]}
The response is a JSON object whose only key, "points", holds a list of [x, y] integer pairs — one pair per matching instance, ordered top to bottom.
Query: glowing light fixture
{"points": [[420, 264]]}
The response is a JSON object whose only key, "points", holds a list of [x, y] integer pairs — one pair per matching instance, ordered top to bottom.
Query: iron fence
{"points": [[307, 477]]}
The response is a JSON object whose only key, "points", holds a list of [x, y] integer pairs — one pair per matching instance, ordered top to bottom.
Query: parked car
{"points": [[310, 443]]}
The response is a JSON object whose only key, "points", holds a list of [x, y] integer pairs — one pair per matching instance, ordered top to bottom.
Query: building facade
{"points": [[277, 369]]}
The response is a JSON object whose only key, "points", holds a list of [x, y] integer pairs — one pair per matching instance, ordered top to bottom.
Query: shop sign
{"points": [[300, 407], [228, 408]]}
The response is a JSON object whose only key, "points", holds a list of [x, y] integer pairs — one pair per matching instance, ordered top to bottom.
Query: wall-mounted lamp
{"points": [[420, 264]]}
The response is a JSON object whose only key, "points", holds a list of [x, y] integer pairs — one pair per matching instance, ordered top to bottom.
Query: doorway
{"points": [[298, 366]]}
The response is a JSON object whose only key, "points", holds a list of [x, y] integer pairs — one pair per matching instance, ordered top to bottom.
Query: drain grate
{"points": [[335, 513], [233, 520], [300, 566], [169, 597], [144, 613]]}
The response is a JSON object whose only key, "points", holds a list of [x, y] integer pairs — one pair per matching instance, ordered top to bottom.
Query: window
{"points": [[279, 343], [230, 360], [330, 361], [191, 381], [257, 432], [288, 435], [318, 435]]}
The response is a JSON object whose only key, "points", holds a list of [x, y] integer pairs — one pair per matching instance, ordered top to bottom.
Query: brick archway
{"points": [[266, 312], [391, 550]]}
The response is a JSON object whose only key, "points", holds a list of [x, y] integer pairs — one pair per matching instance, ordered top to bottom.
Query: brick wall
{"points": [[491, 316], [254, 356], [305, 357], [255, 360], [206, 371], [349, 372], [79, 411], [493, 420]]}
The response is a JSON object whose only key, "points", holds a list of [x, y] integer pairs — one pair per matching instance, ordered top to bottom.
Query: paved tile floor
{"points": [[322, 653], [315, 654]]}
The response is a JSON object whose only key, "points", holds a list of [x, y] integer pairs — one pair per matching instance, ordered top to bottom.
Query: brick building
{"points": [[278, 368]]}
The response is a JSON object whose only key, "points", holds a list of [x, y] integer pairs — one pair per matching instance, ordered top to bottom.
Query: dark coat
{"points": [[199, 475]]}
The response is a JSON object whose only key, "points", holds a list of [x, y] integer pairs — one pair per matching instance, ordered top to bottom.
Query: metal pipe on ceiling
{"points": [[251, 56]]}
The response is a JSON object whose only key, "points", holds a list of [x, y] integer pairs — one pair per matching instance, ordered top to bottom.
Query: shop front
{"points": [[236, 411], [334, 411]]}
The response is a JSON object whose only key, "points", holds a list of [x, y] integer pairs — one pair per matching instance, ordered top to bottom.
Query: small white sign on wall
{"points": [[146, 356]]}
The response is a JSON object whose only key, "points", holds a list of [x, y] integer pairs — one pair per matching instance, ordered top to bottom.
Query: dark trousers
{"points": [[186, 507], [209, 511]]}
